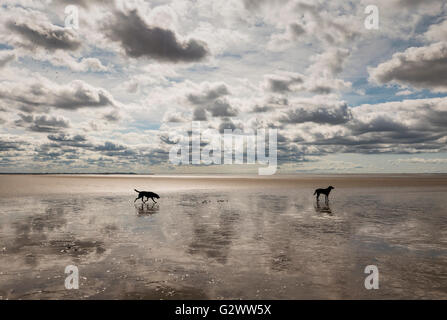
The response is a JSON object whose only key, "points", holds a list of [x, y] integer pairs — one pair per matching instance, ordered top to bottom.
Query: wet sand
{"points": [[223, 237]]}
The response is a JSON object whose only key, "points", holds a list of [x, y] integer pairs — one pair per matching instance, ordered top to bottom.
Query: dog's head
{"points": [[331, 187], [156, 196]]}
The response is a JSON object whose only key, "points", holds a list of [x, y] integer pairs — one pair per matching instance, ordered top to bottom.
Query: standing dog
{"points": [[323, 191], [147, 194]]}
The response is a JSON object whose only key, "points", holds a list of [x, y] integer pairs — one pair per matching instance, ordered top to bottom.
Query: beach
{"points": [[223, 237]]}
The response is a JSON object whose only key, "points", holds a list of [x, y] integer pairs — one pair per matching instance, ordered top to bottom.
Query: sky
{"points": [[115, 92]]}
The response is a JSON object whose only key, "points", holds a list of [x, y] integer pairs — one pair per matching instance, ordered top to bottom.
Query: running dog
{"points": [[323, 191], [147, 194]]}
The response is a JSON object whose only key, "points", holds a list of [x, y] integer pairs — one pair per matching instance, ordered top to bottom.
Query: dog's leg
{"points": [[136, 199], [153, 200]]}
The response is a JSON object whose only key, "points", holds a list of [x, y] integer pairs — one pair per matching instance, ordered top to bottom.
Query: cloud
{"points": [[83, 3], [413, 3], [257, 4], [326, 22], [330, 29], [296, 30], [293, 32], [437, 32], [42, 34], [138, 39], [6, 57], [64, 59], [329, 63], [422, 68], [319, 81], [282, 82], [242, 83], [208, 92], [40, 93], [404, 93], [211, 98], [221, 108], [261, 109], [199, 114], [330, 114], [112, 116], [175, 117], [42, 123], [227, 123], [409, 126], [62, 137], [66, 140], [62, 143], [8, 144], [109, 146], [111, 149], [421, 160]]}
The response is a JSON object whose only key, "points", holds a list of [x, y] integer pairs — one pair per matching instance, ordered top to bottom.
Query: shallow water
{"points": [[261, 242]]}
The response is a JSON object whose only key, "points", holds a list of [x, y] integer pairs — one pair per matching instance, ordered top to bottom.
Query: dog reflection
{"points": [[323, 208], [147, 209]]}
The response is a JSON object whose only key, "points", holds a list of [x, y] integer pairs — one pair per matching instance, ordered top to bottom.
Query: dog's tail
{"points": [[137, 190]]}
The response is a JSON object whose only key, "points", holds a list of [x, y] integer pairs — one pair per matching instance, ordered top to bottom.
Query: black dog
{"points": [[323, 191], [147, 194]]}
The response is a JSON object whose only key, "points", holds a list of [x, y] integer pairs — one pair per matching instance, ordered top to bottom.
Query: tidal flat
{"points": [[223, 237]]}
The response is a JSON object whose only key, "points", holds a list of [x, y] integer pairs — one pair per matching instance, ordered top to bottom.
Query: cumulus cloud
{"points": [[82, 3], [414, 3], [256, 4], [329, 24], [331, 29], [437, 32], [37, 33], [139, 39], [322, 45], [6, 57], [64, 59], [329, 63], [420, 67], [320, 77], [282, 82], [321, 82], [208, 92], [39, 93], [404, 93], [211, 98], [269, 103], [221, 108], [200, 114], [331, 114], [112, 116], [175, 117], [42, 123], [228, 124], [409, 126], [65, 138], [8, 144], [110, 146]]}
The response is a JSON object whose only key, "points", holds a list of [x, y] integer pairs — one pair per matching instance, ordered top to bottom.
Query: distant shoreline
{"points": [[77, 173], [221, 174]]}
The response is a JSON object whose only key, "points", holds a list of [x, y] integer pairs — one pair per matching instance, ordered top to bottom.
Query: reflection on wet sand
{"points": [[323, 208], [145, 209], [212, 236], [225, 244]]}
